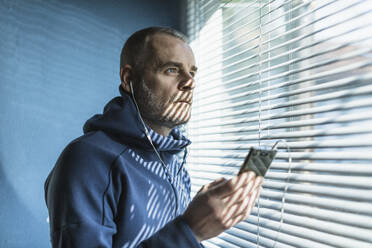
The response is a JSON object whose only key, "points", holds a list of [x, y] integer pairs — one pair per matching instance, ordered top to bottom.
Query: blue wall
{"points": [[59, 65]]}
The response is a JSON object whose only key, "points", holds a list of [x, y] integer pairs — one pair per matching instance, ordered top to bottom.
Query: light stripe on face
{"points": [[179, 110], [183, 114], [178, 115]]}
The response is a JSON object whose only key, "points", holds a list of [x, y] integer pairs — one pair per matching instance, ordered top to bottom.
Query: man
{"points": [[121, 184]]}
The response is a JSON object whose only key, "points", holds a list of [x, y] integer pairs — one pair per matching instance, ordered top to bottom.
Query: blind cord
{"points": [[260, 81], [259, 115], [283, 197]]}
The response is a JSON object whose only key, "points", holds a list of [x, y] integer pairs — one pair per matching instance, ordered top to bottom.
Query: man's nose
{"points": [[187, 83]]}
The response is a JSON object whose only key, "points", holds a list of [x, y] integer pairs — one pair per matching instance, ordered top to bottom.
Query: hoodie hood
{"points": [[121, 121]]}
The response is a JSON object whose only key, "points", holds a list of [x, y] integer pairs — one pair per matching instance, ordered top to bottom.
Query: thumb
{"points": [[212, 184]]}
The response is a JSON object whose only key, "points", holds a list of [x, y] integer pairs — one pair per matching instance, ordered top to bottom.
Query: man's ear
{"points": [[126, 76]]}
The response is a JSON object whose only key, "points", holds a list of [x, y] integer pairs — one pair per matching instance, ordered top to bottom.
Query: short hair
{"points": [[134, 49]]}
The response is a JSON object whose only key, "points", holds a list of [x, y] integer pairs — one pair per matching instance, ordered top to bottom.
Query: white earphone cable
{"points": [[170, 177], [283, 197]]}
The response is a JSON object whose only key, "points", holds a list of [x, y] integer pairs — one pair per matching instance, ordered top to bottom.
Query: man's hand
{"points": [[222, 204]]}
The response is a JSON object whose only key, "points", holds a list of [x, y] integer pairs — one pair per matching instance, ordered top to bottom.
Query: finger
{"points": [[251, 177], [244, 178], [217, 181], [258, 182], [212, 184], [228, 187], [239, 188], [243, 192], [238, 195], [252, 201], [230, 203], [242, 208], [246, 208], [236, 209], [244, 211]]}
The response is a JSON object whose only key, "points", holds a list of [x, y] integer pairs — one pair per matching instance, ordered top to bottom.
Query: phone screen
{"points": [[258, 160]]}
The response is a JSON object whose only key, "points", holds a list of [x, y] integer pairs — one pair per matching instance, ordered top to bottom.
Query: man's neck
{"points": [[159, 128]]}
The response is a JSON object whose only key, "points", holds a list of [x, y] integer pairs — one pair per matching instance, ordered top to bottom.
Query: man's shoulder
{"points": [[99, 141], [91, 150], [84, 169]]}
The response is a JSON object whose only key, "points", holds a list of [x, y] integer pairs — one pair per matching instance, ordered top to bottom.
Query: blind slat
{"points": [[324, 97], [315, 110], [347, 118], [211, 144], [360, 155], [232, 166], [330, 180], [347, 219], [307, 234]]}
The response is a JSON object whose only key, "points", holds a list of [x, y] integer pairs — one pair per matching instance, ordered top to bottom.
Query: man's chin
{"points": [[183, 122], [175, 123]]}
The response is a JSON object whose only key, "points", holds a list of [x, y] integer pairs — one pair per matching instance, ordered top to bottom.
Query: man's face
{"points": [[164, 93]]}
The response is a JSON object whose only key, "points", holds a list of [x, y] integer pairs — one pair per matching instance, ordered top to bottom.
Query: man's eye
{"points": [[171, 70]]}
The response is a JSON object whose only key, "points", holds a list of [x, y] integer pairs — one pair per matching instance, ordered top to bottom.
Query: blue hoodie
{"points": [[109, 188]]}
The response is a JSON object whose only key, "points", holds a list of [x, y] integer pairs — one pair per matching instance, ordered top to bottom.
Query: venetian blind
{"points": [[296, 70]]}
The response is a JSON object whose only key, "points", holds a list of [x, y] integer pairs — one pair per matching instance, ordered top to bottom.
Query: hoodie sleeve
{"points": [[75, 193], [82, 203], [174, 234]]}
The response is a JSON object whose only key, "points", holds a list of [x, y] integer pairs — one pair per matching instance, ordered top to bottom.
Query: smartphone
{"points": [[258, 160]]}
